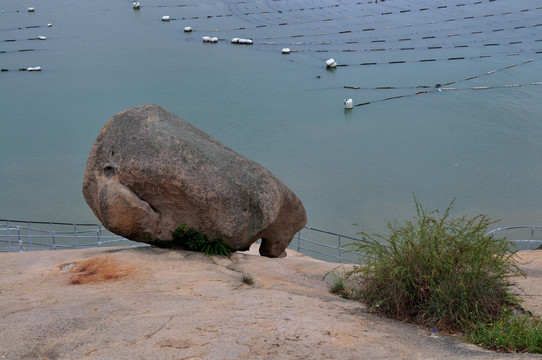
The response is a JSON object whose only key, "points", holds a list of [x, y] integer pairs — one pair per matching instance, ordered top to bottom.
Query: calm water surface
{"points": [[482, 147]]}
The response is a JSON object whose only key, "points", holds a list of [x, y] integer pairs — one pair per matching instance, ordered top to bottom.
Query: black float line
{"points": [[315, 21], [14, 51], [429, 60], [442, 87], [475, 88]]}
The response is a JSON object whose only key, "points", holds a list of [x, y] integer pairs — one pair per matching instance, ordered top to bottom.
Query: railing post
{"points": [[29, 234], [75, 234], [100, 236], [9, 237], [19, 238], [532, 238], [298, 240], [53, 244], [340, 250]]}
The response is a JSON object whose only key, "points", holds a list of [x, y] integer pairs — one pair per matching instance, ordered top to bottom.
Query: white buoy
{"points": [[137, 5], [31, 9], [165, 18], [49, 25], [188, 29], [42, 38], [210, 39], [241, 41], [286, 50], [331, 63], [37, 68], [348, 103]]}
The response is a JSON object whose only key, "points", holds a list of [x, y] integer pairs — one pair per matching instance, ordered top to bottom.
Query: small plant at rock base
{"points": [[192, 240], [216, 247], [248, 279], [341, 284], [338, 288]]}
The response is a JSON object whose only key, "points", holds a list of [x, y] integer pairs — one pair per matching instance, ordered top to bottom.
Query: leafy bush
{"points": [[192, 240], [437, 271], [512, 333]]}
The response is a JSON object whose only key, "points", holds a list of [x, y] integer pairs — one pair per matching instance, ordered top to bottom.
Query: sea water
{"points": [[482, 147]]}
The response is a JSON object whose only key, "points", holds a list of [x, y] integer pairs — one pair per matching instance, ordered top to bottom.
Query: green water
{"points": [[363, 166]]}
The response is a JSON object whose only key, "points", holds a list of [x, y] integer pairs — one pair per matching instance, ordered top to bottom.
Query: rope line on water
{"points": [[281, 23], [14, 51], [397, 62], [28, 69], [439, 87]]}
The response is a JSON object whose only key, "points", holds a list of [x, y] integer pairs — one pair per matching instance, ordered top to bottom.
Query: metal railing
{"points": [[18, 235], [524, 235], [326, 245]]}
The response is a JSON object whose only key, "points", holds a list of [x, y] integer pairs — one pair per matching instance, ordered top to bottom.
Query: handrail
{"points": [[16, 235], [531, 240]]}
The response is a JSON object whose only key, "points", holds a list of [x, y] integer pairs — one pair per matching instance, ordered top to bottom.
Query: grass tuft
{"points": [[192, 240], [247, 279], [510, 333]]}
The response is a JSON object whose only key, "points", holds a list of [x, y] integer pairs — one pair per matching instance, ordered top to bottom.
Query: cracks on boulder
{"points": [[156, 331]]}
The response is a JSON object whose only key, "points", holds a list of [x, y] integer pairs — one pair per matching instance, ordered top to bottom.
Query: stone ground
{"points": [[149, 303]]}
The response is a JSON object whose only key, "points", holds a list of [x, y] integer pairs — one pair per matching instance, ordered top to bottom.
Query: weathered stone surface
{"points": [[149, 171]]}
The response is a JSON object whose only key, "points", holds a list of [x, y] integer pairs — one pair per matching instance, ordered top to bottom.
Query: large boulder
{"points": [[149, 171]]}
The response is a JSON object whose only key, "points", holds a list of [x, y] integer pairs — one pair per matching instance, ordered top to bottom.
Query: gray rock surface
{"points": [[149, 171], [150, 303]]}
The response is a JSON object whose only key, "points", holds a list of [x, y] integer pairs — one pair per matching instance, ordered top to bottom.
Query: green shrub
{"points": [[192, 240], [437, 271], [511, 333]]}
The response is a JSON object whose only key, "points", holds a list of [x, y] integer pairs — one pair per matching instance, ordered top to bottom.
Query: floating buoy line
{"points": [[30, 10], [409, 11], [367, 13], [362, 25], [27, 27], [38, 38], [41, 38], [402, 41], [405, 41], [14, 51], [398, 62], [29, 69], [439, 87], [420, 88]]}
